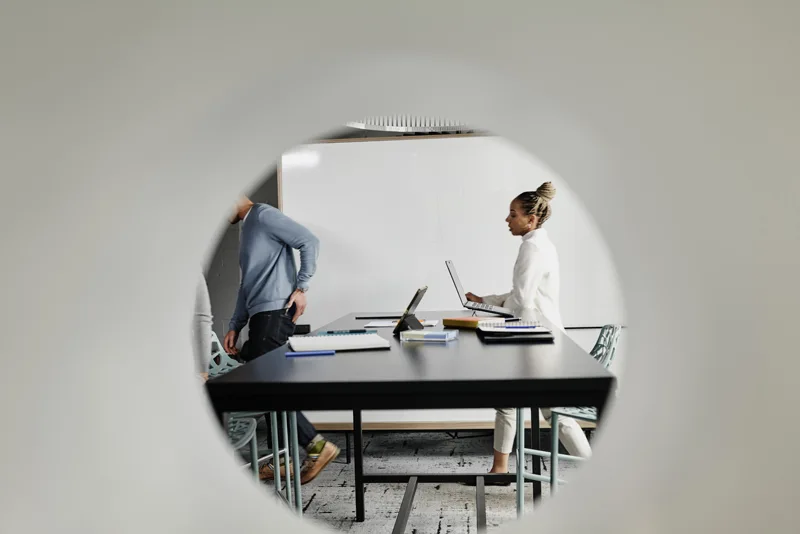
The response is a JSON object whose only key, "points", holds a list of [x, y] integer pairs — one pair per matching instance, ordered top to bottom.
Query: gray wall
{"points": [[222, 273]]}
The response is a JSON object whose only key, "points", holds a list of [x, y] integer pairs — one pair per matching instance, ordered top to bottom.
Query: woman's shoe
{"points": [[489, 480]]}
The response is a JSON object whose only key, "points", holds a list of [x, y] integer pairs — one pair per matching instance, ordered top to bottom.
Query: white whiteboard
{"points": [[389, 213]]}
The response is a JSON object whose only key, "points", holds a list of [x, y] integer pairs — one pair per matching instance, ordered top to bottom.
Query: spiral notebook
{"points": [[527, 327], [346, 342]]}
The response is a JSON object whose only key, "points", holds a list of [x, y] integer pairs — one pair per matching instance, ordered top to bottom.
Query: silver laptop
{"points": [[475, 306]]}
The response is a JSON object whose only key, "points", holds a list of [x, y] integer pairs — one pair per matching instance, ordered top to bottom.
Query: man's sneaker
{"points": [[315, 463], [267, 471]]}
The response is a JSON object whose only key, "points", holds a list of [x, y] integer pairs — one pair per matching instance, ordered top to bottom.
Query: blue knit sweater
{"points": [[269, 271]]}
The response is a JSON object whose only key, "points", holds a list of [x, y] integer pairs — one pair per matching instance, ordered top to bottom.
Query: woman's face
{"points": [[519, 223]]}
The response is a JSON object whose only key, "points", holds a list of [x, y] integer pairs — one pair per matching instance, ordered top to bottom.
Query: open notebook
{"points": [[338, 342]]}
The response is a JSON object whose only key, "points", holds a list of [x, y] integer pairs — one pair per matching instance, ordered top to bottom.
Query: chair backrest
{"points": [[606, 345], [220, 362]]}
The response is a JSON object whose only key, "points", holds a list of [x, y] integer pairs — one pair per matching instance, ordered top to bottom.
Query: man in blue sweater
{"points": [[272, 296]]}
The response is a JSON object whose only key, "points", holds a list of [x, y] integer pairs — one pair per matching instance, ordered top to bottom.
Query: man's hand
{"points": [[474, 298], [298, 299], [229, 345]]}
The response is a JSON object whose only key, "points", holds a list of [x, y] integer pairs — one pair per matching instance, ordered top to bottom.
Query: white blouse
{"points": [[536, 281]]}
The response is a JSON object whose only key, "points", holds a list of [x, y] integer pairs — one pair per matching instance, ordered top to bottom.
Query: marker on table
{"points": [[310, 353]]}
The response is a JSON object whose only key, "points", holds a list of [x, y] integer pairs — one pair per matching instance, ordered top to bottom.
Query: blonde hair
{"points": [[538, 202]]}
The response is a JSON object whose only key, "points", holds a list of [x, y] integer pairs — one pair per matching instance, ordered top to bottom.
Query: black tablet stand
{"points": [[408, 322]]}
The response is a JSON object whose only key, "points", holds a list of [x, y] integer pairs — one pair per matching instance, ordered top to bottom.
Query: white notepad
{"points": [[342, 343]]}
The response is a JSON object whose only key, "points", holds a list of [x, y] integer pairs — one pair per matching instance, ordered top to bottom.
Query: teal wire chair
{"points": [[603, 351], [222, 363], [242, 431]]}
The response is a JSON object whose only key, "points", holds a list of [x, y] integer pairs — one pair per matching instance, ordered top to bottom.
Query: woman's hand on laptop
{"points": [[474, 298]]}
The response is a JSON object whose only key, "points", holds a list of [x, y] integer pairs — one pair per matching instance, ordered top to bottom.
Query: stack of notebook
{"points": [[516, 332], [342, 342]]}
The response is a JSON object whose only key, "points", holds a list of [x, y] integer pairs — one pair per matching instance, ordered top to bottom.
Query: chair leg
{"points": [[269, 431], [347, 446], [254, 454], [553, 454], [276, 455], [286, 460], [538, 462], [298, 498]]}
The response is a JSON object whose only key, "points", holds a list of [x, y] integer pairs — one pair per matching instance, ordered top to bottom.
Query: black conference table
{"points": [[465, 373]]}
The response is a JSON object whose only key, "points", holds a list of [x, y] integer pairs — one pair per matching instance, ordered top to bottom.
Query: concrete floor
{"points": [[438, 508]]}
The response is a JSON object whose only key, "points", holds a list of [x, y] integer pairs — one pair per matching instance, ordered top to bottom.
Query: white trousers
{"points": [[569, 432]]}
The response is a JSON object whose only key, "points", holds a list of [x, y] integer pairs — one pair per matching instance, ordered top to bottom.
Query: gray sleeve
{"points": [[299, 238], [201, 327]]}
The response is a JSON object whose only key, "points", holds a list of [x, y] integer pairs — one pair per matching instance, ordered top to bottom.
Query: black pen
{"points": [[512, 320]]}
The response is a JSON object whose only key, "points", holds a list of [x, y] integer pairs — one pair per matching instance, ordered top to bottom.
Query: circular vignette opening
{"points": [[387, 210]]}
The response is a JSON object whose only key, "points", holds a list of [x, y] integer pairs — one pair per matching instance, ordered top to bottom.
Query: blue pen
{"points": [[519, 327], [310, 353]]}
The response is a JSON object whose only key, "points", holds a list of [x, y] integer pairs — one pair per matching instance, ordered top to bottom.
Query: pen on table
{"points": [[512, 320], [518, 327], [310, 353]]}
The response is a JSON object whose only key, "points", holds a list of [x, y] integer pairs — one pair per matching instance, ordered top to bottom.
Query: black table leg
{"points": [[347, 446], [358, 446], [536, 468], [480, 504], [405, 508]]}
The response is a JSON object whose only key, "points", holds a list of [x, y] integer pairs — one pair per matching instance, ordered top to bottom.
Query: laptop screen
{"points": [[459, 288]]}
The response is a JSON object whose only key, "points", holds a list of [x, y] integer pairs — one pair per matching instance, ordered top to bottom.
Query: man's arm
{"points": [[299, 238], [238, 321]]}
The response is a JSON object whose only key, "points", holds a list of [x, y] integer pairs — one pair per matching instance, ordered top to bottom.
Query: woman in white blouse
{"points": [[535, 292]]}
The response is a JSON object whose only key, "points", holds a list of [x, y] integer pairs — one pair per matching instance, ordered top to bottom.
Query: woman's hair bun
{"points": [[546, 191]]}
